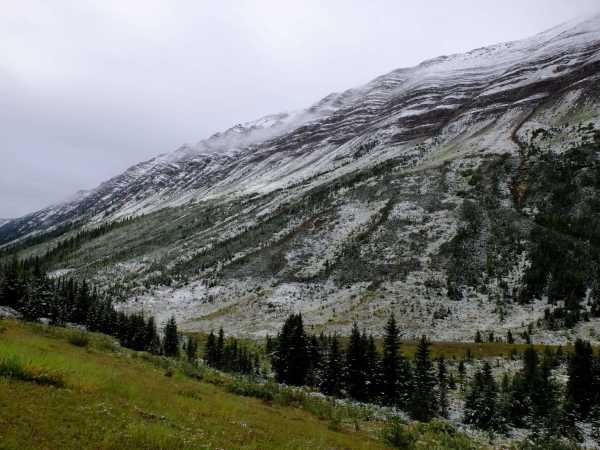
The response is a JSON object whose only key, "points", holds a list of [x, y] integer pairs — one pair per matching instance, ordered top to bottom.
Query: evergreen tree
{"points": [[509, 337], [152, 339], [171, 339], [478, 339], [192, 349], [210, 350], [220, 350], [291, 358], [315, 358], [372, 369], [461, 371], [395, 372], [442, 373], [332, 377], [356, 377], [581, 388], [481, 403], [424, 404]]}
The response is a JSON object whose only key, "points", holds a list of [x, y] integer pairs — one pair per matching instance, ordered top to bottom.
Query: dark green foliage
{"points": [[565, 244], [25, 287], [171, 339], [191, 349], [210, 351], [229, 355], [291, 359], [356, 370], [395, 370], [333, 372], [443, 385], [582, 386], [534, 396], [424, 403], [481, 403], [396, 435]]}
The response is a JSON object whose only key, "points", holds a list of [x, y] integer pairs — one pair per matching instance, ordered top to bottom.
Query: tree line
{"points": [[25, 287], [531, 398]]}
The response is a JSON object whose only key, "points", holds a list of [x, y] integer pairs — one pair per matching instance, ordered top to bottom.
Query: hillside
{"points": [[446, 192], [68, 389], [116, 399]]}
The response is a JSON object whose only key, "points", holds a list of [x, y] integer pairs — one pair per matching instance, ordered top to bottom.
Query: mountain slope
{"points": [[419, 192]]}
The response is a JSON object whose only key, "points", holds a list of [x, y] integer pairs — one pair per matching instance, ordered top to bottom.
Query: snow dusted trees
{"points": [[481, 402]]}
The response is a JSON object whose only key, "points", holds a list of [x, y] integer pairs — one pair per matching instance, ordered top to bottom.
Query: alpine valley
{"points": [[462, 194]]}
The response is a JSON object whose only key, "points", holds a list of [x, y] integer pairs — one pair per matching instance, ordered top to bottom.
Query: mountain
{"points": [[424, 192]]}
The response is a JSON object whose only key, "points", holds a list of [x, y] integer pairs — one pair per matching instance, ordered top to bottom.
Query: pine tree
{"points": [[509, 337], [171, 339], [478, 339], [192, 349], [220, 350], [210, 351], [291, 358], [315, 369], [372, 369], [461, 371], [395, 372], [442, 375], [332, 377], [356, 381], [581, 383], [481, 402], [424, 404]]}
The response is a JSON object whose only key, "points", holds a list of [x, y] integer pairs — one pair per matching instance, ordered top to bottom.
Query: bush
{"points": [[79, 339], [13, 367], [246, 388], [397, 435], [546, 444]]}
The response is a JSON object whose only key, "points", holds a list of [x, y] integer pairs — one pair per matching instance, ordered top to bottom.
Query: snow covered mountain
{"points": [[352, 206]]}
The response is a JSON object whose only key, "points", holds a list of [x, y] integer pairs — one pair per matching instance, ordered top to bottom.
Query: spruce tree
{"points": [[509, 337], [171, 339], [192, 349], [210, 350], [220, 350], [291, 358], [372, 370], [395, 372], [332, 377], [442, 378], [356, 380], [581, 386], [481, 402], [423, 404]]}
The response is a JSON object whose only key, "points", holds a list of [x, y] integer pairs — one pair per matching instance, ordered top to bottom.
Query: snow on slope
{"points": [[439, 99]]}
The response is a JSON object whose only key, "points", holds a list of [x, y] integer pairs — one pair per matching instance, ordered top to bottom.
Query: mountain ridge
{"points": [[419, 192]]}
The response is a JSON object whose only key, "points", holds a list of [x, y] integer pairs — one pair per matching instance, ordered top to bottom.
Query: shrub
{"points": [[79, 339], [13, 367], [246, 388], [397, 435]]}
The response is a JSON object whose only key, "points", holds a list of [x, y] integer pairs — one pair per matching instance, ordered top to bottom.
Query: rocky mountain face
{"points": [[424, 192]]}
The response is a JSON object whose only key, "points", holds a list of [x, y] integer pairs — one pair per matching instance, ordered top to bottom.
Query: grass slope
{"points": [[116, 399]]}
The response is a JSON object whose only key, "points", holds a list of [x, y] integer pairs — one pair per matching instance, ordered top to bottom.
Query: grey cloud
{"points": [[88, 88]]}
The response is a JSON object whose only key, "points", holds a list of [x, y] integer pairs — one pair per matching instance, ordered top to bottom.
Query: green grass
{"points": [[67, 389], [118, 399]]}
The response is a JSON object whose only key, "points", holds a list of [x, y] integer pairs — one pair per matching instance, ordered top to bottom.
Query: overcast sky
{"points": [[88, 88]]}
